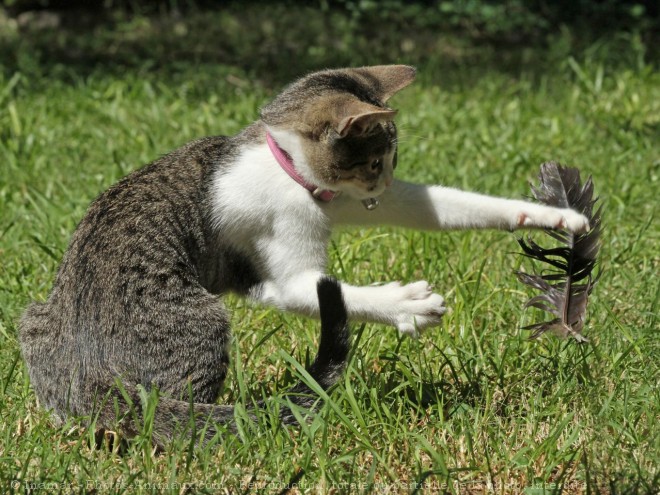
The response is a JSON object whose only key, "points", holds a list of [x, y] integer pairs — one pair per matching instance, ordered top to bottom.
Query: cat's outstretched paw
{"points": [[554, 218], [418, 308]]}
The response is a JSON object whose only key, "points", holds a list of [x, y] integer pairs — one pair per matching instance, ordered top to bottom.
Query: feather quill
{"points": [[567, 283]]}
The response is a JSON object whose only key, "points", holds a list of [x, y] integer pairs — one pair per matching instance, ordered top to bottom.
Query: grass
{"points": [[470, 407]]}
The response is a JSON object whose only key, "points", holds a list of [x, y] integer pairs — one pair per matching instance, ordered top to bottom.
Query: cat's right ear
{"points": [[359, 117]]}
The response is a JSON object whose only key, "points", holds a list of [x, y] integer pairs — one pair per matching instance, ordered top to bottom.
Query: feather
{"points": [[567, 283]]}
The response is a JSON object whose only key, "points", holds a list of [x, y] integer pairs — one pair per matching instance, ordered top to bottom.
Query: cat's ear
{"points": [[390, 78], [358, 117]]}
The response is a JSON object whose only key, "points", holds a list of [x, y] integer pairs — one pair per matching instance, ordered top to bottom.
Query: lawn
{"points": [[471, 407]]}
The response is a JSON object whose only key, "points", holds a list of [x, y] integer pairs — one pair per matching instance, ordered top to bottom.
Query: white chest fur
{"points": [[260, 211]]}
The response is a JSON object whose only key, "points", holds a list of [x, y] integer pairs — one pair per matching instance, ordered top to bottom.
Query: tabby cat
{"points": [[135, 298]]}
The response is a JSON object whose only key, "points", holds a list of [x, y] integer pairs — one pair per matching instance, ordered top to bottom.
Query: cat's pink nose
{"points": [[388, 181]]}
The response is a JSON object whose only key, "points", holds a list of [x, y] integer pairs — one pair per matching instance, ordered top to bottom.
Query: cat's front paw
{"points": [[554, 218], [419, 307]]}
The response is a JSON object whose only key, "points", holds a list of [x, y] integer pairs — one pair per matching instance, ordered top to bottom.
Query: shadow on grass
{"points": [[270, 43]]}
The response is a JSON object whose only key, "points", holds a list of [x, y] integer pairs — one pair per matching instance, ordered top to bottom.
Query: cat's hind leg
{"points": [[48, 356]]}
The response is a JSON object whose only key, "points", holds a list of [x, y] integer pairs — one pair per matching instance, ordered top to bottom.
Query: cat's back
{"points": [[169, 185], [156, 209], [142, 239], [138, 243], [128, 281]]}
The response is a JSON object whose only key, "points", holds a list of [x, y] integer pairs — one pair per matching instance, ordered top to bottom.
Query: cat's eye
{"points": [[375, 165]]}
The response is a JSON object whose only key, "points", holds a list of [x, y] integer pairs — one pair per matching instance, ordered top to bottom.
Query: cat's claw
{"points": [[574, 222], [419, 308]]}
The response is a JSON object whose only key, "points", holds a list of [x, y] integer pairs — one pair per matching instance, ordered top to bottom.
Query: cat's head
{"points": [[337, 128]]}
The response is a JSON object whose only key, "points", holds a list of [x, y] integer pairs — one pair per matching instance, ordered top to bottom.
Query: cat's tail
{"points": [[332, 355], [173, 418]]}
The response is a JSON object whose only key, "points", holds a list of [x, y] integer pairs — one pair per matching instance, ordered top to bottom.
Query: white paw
{"points": [[554, 218], [575, 222], [417, 307]]}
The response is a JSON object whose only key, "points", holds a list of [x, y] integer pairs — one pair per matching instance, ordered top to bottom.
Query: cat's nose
{"points": [[388, 181]]}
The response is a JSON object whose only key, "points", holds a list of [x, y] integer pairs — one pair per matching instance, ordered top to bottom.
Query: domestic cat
{"points": [[135, 296]]}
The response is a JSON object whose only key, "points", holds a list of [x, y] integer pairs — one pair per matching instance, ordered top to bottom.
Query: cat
{"points": [[135, 296]]}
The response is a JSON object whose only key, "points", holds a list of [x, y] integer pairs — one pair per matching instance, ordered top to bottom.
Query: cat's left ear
{"points": [[390, 78], [358, 117]]}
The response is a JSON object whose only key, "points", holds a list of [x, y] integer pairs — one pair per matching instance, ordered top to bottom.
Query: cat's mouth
{"points": [[366, 182], [380, 186], [364, 191]]}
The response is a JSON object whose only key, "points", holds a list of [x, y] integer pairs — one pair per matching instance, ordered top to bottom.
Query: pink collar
{"points": [[284, 159]]}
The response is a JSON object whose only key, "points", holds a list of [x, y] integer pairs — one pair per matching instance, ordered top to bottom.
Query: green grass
{"points": [[470, 407]]}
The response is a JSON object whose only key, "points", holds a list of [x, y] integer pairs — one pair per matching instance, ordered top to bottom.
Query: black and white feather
{"points": [[567, 282]]}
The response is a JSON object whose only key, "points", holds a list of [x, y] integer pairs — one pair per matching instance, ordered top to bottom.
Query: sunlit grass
{"points": [[469, 407]]}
